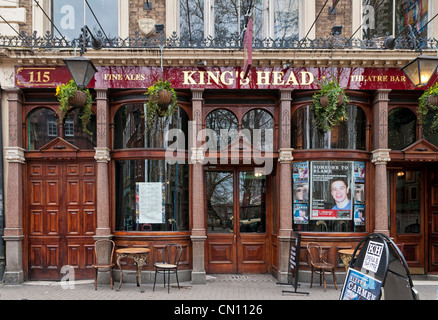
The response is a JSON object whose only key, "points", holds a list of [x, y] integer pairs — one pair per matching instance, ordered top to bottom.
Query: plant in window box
{"points": [[69, 94], [162, 101], [428, 102], [329, 105]]}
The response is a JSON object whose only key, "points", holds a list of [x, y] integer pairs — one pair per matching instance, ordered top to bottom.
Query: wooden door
{"points": [[408, 191], [61, 219], [433, 220], [237, 237]]}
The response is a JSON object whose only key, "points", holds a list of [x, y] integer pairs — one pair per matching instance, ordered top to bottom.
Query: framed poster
{"points": [[331, 182], [149, 200]]}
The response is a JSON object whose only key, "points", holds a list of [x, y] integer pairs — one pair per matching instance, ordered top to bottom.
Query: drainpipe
{"points": [[2, 216]]}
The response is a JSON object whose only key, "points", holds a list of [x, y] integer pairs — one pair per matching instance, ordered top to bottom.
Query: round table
{"points": [[139, 255], [346, 255]]}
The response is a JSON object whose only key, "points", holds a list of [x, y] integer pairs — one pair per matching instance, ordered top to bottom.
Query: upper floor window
{"points": [[70, 16], [389, 17], [275, 19]]}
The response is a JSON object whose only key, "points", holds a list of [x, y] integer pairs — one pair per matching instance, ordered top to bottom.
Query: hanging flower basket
{"points": [[68, 95], [78, 100], [162, 101], [428, 102], [329, 105]]}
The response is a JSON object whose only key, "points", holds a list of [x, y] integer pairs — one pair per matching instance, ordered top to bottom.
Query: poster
{"points": [[301, 182], [331, 197], [149, 199], [301, 213], [359, 215], [373, 255], [359, 286]]}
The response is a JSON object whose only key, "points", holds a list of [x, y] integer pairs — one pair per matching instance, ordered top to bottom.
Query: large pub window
{"points": [[430, 133], [151, 192]]}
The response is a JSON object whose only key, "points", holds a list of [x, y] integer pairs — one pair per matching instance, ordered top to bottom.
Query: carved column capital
{"points": [[102, 154], [15, 155], [285, 155], [198, 156], [381, 156]]}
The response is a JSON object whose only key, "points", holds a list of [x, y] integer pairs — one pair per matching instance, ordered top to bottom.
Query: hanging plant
{"points": [[69, 94], [162, 101], [428, 102], [329, 105]]}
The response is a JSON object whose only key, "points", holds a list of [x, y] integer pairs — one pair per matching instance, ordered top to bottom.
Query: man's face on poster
{"points": [[339, 191]]}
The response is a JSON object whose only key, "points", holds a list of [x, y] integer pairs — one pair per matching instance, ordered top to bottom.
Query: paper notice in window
{"points": [[150, 202], [373, 256]]}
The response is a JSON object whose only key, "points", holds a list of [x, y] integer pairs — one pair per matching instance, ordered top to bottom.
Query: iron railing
{"points": [[139, 41]]}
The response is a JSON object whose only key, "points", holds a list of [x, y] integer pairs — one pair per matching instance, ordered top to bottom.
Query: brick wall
{"points": [[137, 12], [326, 21]]}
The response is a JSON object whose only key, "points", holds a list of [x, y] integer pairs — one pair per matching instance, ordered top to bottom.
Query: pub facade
{"points": [[241, 165]]}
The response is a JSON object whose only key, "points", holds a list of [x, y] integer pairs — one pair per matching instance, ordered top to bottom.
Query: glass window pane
{"points": [[414, 13], [68, 16], [191, 17], [227, 18], [377, 18], [286, 19], [225, 125], [402, 125], [257, 126], [42, 127], [130, 129], [429, 132], [74, 133], [349, 134], [175, 180], [329, 196], [220, 202], [408, 204], [252, 205]]}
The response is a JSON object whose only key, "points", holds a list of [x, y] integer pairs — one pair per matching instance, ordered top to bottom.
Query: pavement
{"points": [[218, 288]]}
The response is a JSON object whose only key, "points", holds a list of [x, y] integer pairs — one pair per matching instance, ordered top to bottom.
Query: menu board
{"points": [[149, 199]]}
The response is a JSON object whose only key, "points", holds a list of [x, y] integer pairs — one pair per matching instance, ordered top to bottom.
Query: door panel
{"points": [[61, 218], [433, 221], [236, 222]]}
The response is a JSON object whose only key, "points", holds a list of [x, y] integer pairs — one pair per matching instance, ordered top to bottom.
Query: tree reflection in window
{"points": [[258, 123], [225, 124], [402, 125], [130, 129], [74, 133], [349, 134]]}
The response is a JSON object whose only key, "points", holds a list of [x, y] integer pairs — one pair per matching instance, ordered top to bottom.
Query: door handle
{"points": [[234, 238]]}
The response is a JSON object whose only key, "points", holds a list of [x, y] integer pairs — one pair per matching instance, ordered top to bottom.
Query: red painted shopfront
{"points": [[230, 215]]}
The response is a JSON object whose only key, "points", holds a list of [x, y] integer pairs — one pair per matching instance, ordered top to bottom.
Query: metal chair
{"points": [[104, 253], [171, 255], [318, 265]]}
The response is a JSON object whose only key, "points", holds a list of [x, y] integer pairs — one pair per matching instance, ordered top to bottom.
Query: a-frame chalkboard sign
{"points": [[294, 263]]}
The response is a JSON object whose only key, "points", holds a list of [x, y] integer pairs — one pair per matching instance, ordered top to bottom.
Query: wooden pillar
{"points": [[14, 156], [102, 156], [380, 157], [285, 189], [199, 234]]}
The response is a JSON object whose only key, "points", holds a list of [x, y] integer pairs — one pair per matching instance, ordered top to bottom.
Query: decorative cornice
{"points": [[102, 154], [15, 155], [285, 155], [381, 156]]}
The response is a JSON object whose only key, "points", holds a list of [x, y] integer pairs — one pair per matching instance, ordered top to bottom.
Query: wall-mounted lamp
{"points": [[147, 5], [336, 31], [202, 63], [286, 65], [421, 69]]}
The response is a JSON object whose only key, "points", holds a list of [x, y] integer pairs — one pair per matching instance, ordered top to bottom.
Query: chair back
{"points": [[314, 250], [104, 251], [172, 253]]}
